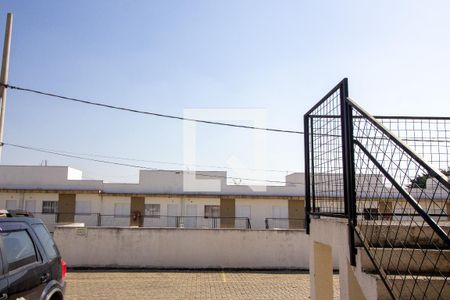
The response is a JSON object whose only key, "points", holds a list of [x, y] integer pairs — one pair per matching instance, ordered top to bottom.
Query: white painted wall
{"points": [[150, 182], [261, 209], [334, 233], [182, 248]]}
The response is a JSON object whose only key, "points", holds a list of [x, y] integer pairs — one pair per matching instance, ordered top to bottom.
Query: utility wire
{"points": [[65, 98], [121, 108], [165, 162], [137, 166]]}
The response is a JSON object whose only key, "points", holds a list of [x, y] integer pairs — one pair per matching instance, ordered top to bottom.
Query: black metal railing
{"points": [[427, 136], [391, 185], [53, 219], [155, 221], [163, 221], [284, 223]]}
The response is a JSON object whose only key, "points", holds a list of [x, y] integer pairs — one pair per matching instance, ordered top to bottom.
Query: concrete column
{"points": [[321, 271], [349, 286]]}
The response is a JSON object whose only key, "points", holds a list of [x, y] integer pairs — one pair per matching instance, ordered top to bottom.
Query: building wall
{"points": [[89, 205], [261, 209], [188, 248]]}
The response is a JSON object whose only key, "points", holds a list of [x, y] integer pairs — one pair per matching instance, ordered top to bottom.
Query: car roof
{"points": [[28, 220], [17, 223]]}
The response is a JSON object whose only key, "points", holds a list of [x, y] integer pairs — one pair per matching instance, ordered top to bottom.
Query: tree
{"points": [[421, 180]]}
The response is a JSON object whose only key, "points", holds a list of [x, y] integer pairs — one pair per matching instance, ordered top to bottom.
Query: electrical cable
{"points": [[145, 112], [137, 166]]}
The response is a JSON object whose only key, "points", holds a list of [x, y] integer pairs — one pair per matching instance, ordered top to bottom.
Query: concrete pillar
{"points": [[321, 271], [349, 286]]}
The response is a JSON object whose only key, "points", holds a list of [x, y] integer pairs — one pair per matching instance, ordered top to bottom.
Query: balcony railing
{"points": [[154, 221], [284, 223]]}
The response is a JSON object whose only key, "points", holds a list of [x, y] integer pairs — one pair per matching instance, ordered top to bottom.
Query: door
{"points": [[11, 204], [30, 205], [66, 208], [137, 211], [243, 211], [172, 212], [227, 212], [296, 214], [280, 217], [190, 220], [3, 279]]}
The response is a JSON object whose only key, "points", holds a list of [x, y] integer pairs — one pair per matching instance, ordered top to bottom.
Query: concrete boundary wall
{"points": [[125, 247]]}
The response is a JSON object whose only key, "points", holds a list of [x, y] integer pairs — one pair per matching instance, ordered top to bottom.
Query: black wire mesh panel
{"points": [[428, 136], [325, 154], [403, 225]]}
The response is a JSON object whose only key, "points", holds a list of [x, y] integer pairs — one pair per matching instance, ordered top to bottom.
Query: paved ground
{"points": [[188, 285]]}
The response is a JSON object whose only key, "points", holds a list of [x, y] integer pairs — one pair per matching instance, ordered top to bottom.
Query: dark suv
{"points": [[30, 264]]}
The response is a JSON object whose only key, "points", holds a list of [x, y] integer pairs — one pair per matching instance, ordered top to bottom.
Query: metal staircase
{"points": [[386, 176]]}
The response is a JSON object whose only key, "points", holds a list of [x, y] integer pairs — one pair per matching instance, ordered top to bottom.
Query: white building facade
{"points": [[59, 195]]}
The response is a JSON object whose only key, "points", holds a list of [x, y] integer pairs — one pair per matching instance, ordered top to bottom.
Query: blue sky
{"points": [[167, 56]]}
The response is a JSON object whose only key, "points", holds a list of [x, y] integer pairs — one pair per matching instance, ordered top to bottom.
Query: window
{"points": [[11, 204], [30, 205], [49, 207], [83, 207], [121, 209], [152, 210], [212, 211], [280, 212], [370, 213], [46, 240], [19, 249]]}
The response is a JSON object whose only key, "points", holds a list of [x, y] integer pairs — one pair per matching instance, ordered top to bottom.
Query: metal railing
{"points": [[389, 183], [53, 219], [155, 221], [175, 221], [284, 223]]}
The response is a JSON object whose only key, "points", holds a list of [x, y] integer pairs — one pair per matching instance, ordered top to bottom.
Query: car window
{"points": [[46, 240], [18, 248]]}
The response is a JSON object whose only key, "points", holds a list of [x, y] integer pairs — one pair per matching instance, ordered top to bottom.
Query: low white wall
{"points": [[183, 248]]}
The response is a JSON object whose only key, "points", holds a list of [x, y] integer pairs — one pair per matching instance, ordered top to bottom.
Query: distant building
{"points": [[58, 194]]}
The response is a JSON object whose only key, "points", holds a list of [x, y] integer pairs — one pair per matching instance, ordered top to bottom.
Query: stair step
{"points": [[396, 234], [407, 261], [414, 287]]}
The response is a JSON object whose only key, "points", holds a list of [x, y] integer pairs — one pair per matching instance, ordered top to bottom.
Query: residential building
{"points": [[163, 198]]}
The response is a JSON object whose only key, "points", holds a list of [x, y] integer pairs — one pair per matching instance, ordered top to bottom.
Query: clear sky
{"points": [[168, 56]]}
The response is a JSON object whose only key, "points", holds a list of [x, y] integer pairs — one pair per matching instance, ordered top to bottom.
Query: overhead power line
{"points": [[94, 103], [121, 108], [31, 148], [165, 162]]}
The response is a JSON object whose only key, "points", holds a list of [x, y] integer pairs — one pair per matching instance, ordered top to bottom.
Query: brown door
{"points": [[66, 208], [385, 208], [296, 210], [137, 211], [227, 212]]}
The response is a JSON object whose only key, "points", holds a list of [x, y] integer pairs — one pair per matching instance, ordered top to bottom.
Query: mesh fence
{"points": [[326, 164], [399, 202], [397, 208]]}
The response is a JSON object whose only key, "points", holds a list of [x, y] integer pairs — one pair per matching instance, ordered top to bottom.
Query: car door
{"points": [[24, 267], [3, 281]]}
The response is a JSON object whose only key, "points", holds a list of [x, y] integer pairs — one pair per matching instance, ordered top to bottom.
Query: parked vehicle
{"points": [[30, 264]]}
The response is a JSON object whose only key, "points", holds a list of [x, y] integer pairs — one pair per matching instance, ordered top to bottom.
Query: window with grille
{"points": [[49, 207], [152, 210], [212, 211], [370, 213]]}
